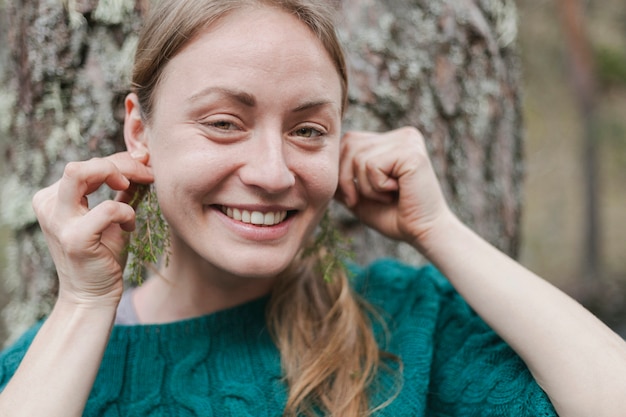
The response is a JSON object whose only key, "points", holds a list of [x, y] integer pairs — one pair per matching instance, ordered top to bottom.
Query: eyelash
{"points": [[215, 124], [305, 133], [315, 133]]}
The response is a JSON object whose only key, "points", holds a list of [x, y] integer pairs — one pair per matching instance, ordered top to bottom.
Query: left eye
{"points": [[223, 125], [308, 132]]}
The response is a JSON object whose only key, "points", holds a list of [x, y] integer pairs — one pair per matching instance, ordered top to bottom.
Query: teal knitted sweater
{"points": [[225, 364]]}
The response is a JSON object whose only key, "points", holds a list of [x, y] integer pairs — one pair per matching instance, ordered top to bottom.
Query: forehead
{"points": [[252, 45]]}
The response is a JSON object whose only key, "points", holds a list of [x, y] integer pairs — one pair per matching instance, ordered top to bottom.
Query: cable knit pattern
{"points": [[225, 364]]}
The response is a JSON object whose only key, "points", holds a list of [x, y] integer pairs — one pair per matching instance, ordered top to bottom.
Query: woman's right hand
{"points": [[87, 244]]}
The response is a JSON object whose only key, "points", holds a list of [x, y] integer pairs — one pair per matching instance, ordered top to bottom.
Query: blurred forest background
{"points": [[574, 96], [555, 237]]}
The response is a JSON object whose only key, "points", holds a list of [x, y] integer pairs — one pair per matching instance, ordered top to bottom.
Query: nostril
{"points": [[268, 177]]}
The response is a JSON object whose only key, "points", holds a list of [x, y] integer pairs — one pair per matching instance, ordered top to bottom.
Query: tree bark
{"points": [[448, 67], [451, 69], [61, 99]]}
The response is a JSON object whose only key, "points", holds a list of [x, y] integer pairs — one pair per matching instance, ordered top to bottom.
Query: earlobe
{"points": [[134, 127]]}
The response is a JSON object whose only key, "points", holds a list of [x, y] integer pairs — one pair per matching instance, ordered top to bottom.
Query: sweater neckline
{"points": [[250, 314]]}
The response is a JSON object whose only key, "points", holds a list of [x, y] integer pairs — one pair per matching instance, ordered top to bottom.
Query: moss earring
{"points": [[150, 241], [330, 247]]}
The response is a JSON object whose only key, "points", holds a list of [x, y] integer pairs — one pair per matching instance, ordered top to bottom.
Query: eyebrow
{"points": [[240, 96], [250, 101], [312, 104]]}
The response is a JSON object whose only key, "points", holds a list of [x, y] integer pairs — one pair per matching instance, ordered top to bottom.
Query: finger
{"points": [[134, 167], [379, 169], [116, 171], [137, 171], [372, 175], [379, 176], [82, 178], [347, 191], [133, 195], [43, 203], [109, 212], [84, 234]]}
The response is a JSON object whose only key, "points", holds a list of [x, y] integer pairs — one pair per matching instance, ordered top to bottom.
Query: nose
{"points": [[266, 164]]}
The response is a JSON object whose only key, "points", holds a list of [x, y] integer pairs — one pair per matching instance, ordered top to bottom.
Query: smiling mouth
{"points": [[257, 218]]}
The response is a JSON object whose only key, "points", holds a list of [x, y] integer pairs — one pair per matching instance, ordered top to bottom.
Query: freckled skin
{"points": [[247, 115]]}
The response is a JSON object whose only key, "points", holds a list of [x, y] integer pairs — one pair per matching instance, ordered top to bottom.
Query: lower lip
{"points": [[252, 232]]}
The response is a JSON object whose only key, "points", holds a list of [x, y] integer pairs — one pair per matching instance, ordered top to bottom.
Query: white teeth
{"points": [[255, 217]]}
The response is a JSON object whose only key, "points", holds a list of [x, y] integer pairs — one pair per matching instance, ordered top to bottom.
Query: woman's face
{"points": [[244, 143]]}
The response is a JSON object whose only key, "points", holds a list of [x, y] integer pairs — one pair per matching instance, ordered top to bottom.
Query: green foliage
{"points": [[611, 65], [151, 239], [333, 249]]}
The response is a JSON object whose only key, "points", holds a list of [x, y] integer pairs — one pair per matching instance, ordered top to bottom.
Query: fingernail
{"points": [[139, 153]]}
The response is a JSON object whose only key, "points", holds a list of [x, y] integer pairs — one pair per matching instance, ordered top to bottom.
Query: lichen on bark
{"points": [[448, 67], [62, 87]]}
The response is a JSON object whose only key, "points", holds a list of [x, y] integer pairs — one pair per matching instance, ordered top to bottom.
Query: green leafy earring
{"points": [[150, 241], [332, 248]]}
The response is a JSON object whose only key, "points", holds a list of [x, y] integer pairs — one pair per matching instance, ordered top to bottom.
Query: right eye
{"points": [[221, 125]]}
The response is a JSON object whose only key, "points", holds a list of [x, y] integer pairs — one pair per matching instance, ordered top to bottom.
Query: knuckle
{"points": [[411, 132], [348, 135], [355, 136], [412, 136], [415, 139], [105, 162], [102, 164], [370, 165], [75, 168], [72, 169], [37, 200], [41, 203], [109, 208], [115, 210], [70, 240]]}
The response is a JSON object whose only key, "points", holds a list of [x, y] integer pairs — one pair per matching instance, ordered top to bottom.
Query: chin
{"points": [[255, 269]]}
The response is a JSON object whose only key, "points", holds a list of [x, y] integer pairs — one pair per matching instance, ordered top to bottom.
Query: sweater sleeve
{"points": [[453, 364], [474, 372]]}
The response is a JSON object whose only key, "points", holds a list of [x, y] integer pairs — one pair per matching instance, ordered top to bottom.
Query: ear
{"points": [[135, 135]]}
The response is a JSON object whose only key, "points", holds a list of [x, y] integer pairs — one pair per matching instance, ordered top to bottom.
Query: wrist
{"points": [[439, 236], [102, 303], [70, 311], [85, 318]]}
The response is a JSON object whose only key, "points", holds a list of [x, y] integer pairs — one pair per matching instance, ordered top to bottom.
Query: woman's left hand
{"points": [[387, 181], [578, 361]]}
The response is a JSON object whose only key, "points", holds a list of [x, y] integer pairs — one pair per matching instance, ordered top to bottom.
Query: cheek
{"points": [[180, 158], [187, 175], [322, 181]]}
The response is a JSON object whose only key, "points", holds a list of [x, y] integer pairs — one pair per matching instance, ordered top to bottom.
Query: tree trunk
{"points": [[448, 67], [451, 69], [583, 81], [61, 100]]}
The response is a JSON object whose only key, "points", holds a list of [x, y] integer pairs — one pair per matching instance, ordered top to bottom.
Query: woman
{"points": [[235, 116]]}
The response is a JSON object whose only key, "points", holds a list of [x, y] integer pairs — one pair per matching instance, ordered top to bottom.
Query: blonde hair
{"points": [[171, 25], [328, 351]]}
